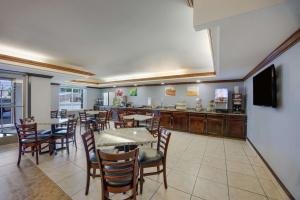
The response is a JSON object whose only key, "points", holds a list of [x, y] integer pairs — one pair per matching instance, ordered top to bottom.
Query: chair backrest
{"points": [[63, 113], [54, 114], [121, 114], [103, 115], [71, 116], [82, 116], [27, 120], [129, 123], [119, 124], [155, 125], [71, 126], [27, 131], [88, 140], [163, 141], [121, 167]]}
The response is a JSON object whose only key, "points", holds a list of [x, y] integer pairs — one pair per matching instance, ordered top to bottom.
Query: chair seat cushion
{"points": [[44, 132], [60, 132], [149, 155], [93, 157]]}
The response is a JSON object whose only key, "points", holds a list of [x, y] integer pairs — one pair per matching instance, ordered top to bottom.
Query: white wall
{"points": [[157, 93], [91, 95], [54, 97], [40, 98], [276, 132]]}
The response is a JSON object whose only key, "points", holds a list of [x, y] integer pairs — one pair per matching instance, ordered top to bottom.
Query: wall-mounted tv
{"points": [[264, 88]]}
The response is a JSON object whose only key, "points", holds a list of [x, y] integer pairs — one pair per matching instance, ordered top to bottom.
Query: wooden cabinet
{"points": [[166, 119], [180, 121], [197, 123], [215, 124], [236, 126]]}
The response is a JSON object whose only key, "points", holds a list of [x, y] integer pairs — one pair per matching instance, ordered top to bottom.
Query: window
{"points": [[70, 98]]}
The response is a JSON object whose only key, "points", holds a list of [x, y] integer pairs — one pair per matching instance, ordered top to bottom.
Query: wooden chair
{"points": [[63, 113], [54, 114], [121, 114], [108, 118], [83, 121], [101, 121], [125, 123], [155, 126], [66, 135], [28, 137], [155, 158], [92, 163], [119, 173]]}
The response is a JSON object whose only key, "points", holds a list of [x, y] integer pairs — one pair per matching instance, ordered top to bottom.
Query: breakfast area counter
{"points": [[231, 125]]}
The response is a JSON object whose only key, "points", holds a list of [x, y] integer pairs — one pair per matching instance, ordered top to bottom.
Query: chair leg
{"points": [[74, 140], [67, 145], [32, 151], [20, 152], [37, 155], [94, 172], [165, 175], [141, 179], [87, 180]]}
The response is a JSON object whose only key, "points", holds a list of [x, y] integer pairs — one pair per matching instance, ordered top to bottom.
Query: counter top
{"points": [[188, 110]]}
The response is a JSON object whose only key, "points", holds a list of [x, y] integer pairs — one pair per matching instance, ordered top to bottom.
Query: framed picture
{"points": [[170, 91], [192, 91], [119, 92], [133, 92]]}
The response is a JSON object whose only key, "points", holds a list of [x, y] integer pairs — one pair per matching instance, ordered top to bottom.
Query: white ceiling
{"points": [[108, 37], [143, 37], [242, 41]]}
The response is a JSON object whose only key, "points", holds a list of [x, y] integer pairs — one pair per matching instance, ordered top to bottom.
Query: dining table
{"points": [[138, 118], [53, 123], [124, 136]]}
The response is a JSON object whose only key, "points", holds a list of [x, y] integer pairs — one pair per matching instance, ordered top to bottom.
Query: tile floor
{"points": [[199, 168]]}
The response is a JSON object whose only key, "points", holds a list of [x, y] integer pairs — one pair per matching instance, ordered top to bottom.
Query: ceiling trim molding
{"points": [[283, 47], [44, 66], [39, 75], [163, 78], [54, 83], [179, 83]]}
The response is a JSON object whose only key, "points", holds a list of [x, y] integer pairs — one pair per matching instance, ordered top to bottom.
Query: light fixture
{"points": [[198, 81], [162, 83], [135, 84], [114, 86]]}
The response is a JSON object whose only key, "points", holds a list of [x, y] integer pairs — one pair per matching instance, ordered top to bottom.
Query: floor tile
{"points": [[240, 168], [212, 173], [181, 181], [245, 182], [73, 184], [149, 189], [270, 189], [210, 190], [170, 194], [237, 194]]}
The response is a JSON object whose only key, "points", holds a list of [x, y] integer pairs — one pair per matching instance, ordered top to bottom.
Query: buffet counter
{"points": [[199, 122]]}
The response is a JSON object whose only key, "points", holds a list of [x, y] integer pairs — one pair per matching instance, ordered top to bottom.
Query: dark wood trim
{"points": [[287, 44], [45, 66], [39, 75], [54, 83], [93, 87], [29, 97], [272, 171]]}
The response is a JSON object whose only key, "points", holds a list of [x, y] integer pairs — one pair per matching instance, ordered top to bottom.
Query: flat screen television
{"points": [[264, 88]]}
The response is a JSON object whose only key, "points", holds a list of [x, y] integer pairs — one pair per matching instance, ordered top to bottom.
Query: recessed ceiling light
{"points": [[198, 81], [162, 83]]}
